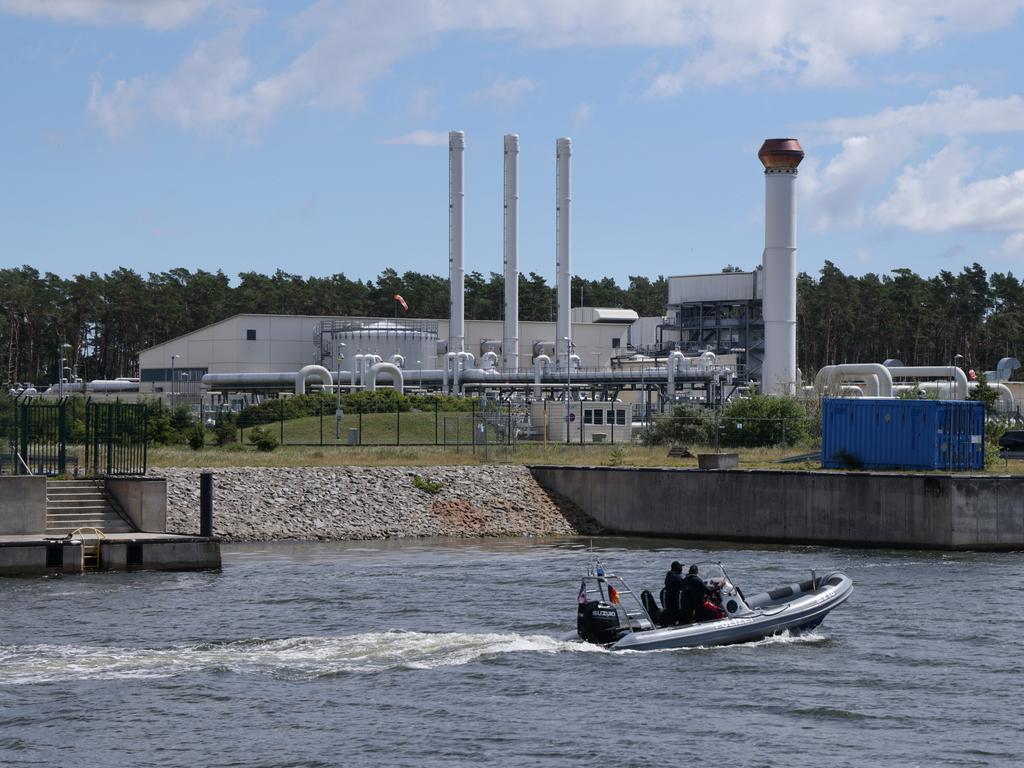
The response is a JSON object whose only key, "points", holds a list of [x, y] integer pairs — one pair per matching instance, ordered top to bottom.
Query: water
{"points": [[450, 653]]}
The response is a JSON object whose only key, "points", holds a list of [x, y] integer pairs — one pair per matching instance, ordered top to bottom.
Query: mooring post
{"points": [[206, 504]]}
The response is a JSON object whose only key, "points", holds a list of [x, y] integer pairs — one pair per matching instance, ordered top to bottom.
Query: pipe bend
{"points": [[312, 370], [397, 380]]}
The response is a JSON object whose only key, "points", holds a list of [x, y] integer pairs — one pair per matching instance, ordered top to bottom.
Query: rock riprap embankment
{"points": [[339, 503]]}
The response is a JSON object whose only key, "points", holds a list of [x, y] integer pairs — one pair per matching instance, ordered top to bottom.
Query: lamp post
{"points": [[419, 364], [60, 376], [182, 378], [568, 386], [170, 397], [338, 413]]}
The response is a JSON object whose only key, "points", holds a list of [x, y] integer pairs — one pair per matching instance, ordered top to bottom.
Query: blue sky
{"points": [[311, 136]]}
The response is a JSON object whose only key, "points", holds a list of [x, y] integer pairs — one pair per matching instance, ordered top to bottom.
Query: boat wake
{"points": [[297, 657]]}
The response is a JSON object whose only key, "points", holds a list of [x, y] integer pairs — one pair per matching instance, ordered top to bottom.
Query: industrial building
{"points": [[250, 343], [588, 353]]}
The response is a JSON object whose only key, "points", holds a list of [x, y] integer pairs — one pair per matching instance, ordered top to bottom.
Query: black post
{"points": [[206, 504]]}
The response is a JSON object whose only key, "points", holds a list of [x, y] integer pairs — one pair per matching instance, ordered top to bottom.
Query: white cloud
{"points": [[155, 14], [812, 42], [343, 47], [204, 90], [506, 92], [423, 104], [117, 111], [955, 112], [583, 114], [419, 138], [838, 193], [936, 196], [1013, 246]]}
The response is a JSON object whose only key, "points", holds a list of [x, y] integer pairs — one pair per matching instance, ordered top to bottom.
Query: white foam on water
{"points": [[297, 656]]}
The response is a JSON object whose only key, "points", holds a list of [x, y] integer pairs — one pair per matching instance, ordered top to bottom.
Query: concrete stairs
{"points": [[73, 504]]}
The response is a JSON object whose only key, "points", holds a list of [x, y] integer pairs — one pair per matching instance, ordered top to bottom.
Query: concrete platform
{"points": [[33, 555]]}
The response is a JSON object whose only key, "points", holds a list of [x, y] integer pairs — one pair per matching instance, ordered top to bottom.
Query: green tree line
{"points": [[108, 319]]}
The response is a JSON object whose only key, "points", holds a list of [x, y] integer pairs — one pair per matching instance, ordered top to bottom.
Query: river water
{"points": [[421, 653]]}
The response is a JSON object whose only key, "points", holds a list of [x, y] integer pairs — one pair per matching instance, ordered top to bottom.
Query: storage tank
{"points": [[414, 340]]}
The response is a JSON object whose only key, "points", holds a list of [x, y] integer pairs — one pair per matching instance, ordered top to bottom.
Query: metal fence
{"points": [[492, 424], [714, 428], [35, 437], [46, 437], [116, 438]]}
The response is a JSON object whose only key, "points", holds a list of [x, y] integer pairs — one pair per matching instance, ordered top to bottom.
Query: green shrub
{"points": [[363, 401], [764, 420], [686, 424], [225, 432], [197, 437], [262, 439], [428, 486]]}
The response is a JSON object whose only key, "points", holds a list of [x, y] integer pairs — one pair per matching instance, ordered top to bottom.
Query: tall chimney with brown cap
{"points": [[780, 158]]}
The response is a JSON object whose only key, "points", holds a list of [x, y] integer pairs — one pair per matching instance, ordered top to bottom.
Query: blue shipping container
{"points": [[902, 434]]}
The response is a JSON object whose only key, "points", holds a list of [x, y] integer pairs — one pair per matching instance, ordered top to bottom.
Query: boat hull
{"points": [[802, 613]]}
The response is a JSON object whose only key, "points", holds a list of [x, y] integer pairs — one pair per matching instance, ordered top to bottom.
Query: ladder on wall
{"points": [[92, 547]]}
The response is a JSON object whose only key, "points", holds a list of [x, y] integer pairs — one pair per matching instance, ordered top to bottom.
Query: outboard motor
{"points": [[601, 622]]}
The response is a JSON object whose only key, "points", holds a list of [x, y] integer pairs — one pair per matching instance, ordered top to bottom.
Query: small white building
{"points": [[590, 421]]}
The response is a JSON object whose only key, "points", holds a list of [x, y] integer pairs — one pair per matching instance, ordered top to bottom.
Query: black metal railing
{"points": [[116, 438]]}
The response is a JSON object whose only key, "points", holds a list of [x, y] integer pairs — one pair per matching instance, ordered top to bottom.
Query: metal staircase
{"points": [[75, 504]]}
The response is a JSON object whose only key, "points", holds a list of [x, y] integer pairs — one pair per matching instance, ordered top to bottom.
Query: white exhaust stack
{"points": [[780, 158], [563, 204], [456, 263], [510, 341]]}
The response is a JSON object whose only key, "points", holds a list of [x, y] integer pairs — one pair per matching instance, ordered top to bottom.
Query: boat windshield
{"points": [[712, 572]]}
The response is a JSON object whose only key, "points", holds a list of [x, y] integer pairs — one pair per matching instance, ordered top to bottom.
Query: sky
{"points": [[311, 137]]}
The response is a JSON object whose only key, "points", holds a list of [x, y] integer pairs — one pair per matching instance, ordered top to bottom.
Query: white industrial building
{"points": [[251, 343]]}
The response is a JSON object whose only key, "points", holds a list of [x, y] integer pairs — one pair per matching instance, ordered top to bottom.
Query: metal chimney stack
{"points": [[780, 158], [456, 263], [563, 270], [510, 340]]}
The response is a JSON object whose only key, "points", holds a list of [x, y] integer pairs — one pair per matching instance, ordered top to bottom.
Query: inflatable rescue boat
{"points": [[609, 613]]}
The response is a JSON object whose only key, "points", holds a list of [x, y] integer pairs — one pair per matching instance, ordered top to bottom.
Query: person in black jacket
{"points": [[695, 591], [674, 612]]}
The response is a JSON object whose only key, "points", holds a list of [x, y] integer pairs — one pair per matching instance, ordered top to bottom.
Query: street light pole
{"points": [[60, 375], [170, 397], [338, 413]]}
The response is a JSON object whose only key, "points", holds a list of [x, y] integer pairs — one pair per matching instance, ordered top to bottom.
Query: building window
{"points": [[250, 334], [616, 342], [588, 416], [599, 417], [620, 418]]}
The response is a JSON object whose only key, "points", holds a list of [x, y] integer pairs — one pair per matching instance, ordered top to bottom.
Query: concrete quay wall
{"points": [[22, 505], [862, 509]]}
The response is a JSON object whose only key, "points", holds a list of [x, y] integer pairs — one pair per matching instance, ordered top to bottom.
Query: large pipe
{"points": [[780, 158], [456, 263], [563, 268], [510, 339], [674, 362], [539, 363], [312, 370], [926, 371], [877, 378], [273, 379], [397, 381], [945, 390]]}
